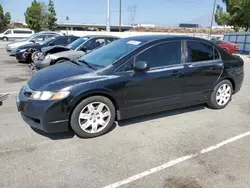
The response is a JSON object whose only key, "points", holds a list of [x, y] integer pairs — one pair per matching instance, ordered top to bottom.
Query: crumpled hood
{"points": [[56, 48], [71, 54], [57, 74]]}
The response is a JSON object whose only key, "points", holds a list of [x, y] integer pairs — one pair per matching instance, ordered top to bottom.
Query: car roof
{"points": [[95, 36], [150, 38]]}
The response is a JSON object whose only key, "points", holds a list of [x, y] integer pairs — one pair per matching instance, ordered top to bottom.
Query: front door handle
{"points": [[177, 73]]}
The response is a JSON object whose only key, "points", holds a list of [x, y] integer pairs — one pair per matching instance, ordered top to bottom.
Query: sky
{"points": [[158, 12]]}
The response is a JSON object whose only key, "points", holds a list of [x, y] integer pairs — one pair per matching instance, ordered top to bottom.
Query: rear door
{"points": [[203, 67]]}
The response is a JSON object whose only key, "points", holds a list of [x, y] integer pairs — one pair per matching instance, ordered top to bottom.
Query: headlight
{"points": [[50, 57], [48, 95]]}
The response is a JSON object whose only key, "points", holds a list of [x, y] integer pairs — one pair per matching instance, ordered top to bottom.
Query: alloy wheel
{"points": [[223, 94], [94, 117]]}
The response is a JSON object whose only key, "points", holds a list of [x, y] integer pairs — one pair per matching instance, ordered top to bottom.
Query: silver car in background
{"points": [[35, 38], [76, 50]]}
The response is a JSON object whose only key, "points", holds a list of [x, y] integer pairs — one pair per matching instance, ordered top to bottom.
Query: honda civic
{"points": [[130, 77]]}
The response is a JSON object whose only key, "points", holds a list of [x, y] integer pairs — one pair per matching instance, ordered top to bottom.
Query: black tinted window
{"points": [[22, 32], [60, 41], [198, 51], [162, 55]]}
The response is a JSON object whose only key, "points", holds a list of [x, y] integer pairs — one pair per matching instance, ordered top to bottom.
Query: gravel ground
{"points": [[30, 159]]}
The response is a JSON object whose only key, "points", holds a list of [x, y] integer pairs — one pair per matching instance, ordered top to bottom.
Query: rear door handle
{"points": [[212, 68]]}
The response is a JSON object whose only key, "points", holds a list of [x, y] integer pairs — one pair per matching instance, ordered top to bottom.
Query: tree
{"points": [[237, 14], [33, 16], [51, 16], [4, 18]]}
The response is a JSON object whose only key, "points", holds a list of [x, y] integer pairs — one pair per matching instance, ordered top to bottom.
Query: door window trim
{"points": [[159, 67]]}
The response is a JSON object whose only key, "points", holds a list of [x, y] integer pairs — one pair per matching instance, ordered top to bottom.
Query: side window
{"points": [[7, 32], [39, 38], [109, 40], [60, 41], [99, 42], [198, 51], [216, 54], [162, 55], [128, 66]]}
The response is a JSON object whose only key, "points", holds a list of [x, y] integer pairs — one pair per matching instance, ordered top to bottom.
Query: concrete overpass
{"points": [[91, 27]]}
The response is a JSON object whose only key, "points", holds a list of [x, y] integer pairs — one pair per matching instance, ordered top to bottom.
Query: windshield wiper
{"points": [[74, 61], [82, 61]]}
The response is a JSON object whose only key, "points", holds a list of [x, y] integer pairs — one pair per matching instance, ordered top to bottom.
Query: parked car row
{"points": [[97, 80]]}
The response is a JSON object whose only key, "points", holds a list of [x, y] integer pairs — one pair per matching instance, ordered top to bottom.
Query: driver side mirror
{"points": [[32, 41], [51, 44], [140, 66]]}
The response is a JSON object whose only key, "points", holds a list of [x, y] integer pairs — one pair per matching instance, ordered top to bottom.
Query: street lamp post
{"points": [[108, 16], [120, 17], [212, 20]]}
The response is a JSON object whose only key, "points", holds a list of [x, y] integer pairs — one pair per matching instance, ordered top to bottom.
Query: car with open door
{"points": [[73, 51], [24, 53], [130, 77]]}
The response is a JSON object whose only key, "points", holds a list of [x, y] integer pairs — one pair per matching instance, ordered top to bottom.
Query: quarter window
{"points": [[198, 51], [162, 55]]}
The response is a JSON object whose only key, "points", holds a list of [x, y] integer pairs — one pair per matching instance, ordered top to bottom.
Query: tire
{"points": [[5, 39], [33, 55], [60, 61], [220, 98], [91, 117]]}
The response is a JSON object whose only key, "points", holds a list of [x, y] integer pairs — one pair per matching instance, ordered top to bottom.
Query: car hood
{"points": [[18, 44], [31, 45], [54, 48], [71, 54], [57, 75]]}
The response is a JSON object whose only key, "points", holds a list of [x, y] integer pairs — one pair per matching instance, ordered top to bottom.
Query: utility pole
{"points": [[108, 16], [120, 17], [212, 20]]}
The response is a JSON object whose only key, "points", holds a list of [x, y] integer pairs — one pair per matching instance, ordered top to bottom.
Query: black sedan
{"points": [[24, 53], [127, 78]]}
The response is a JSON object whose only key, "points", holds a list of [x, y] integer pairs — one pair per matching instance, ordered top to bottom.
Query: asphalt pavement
{"points": [[164, 150]]}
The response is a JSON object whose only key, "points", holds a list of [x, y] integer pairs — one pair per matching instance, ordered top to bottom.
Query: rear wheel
{"points": [[5, 39], [222, 95], [93, 117]]}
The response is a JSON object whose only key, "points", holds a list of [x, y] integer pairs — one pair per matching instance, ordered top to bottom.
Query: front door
{"points": [[160, 85]]}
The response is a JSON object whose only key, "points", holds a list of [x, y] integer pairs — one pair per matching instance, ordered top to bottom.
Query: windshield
{"points": [[48, 40], [77, 43], [112, 52]]}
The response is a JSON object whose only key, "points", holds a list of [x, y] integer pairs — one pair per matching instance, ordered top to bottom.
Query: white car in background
{"points": [[17, 33], [35, 38]]}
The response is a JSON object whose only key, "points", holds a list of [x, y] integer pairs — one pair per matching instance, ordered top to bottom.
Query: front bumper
{"points": [[11, 51], [21, 56], [40, 64], [48, 116]]}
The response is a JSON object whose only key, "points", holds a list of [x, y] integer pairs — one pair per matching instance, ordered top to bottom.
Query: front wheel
{"points": [[5, 39], [35, 56], [221, 95], [93, 117]]}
